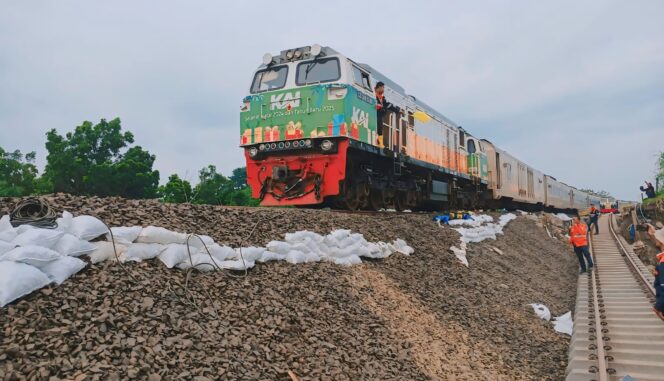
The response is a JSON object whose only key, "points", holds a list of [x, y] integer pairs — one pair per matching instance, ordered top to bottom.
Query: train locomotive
{"points": [[308, 130]]}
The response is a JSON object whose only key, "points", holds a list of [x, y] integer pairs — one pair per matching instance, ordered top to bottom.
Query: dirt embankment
{"points": [[420, 317]]}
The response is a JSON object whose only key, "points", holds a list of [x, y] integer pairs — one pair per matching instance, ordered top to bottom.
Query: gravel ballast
{"points": [[424, 316]]}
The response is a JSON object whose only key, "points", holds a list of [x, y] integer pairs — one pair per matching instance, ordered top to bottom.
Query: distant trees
{"points": [[101, 160], [17, 173], [600, 193]]}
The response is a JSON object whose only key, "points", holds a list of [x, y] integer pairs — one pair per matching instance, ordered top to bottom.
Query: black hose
{"points": [[35, 212]]}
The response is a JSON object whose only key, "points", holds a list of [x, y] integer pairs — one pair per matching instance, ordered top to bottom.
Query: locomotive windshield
{"points": [[317, 71], [270, 79]]}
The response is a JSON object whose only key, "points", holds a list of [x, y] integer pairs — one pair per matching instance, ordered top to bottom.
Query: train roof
{"points": [[397, 88]]}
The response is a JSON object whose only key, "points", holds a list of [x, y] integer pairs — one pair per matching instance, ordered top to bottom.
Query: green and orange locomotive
{"points": [[309, 133]]}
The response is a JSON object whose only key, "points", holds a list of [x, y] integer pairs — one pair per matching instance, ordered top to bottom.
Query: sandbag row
{"points": [[31, 258]]}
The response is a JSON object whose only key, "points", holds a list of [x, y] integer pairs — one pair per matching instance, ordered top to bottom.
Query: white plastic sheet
{"points": [[564, 323]]}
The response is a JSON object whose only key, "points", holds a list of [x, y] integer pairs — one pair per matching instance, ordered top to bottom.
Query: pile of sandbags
{"points": [[480, 232], [31, 258]]}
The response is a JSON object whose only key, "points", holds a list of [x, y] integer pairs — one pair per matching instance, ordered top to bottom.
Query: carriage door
{"points": [[453, 153], [531, 184]]}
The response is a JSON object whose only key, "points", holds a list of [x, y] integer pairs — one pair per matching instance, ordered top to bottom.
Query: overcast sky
{"points": [[573, 88]]}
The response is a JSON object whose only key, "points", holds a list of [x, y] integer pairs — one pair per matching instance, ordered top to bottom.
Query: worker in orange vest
{"points": [[594, 218], [578, 237], [659, 286]]}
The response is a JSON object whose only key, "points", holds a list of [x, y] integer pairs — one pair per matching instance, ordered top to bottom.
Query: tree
{"points": [[90, 161], [660, 170], [17, 173], [239, 177], [213, 187], [176, 190], [601, 193]]}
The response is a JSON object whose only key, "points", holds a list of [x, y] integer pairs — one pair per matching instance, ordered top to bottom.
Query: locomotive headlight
{"points": [[289, 55], [307, 142], [287, 144], [296, 144], [273, 145], [281, 145], [326, 145], [261, 147], [253, 151]]}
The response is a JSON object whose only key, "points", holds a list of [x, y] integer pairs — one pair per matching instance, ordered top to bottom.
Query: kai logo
{"points": [[284, 100], [361, 118]]}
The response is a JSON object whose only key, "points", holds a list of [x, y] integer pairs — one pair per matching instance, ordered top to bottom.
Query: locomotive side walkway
{"points": [[616, 332]]}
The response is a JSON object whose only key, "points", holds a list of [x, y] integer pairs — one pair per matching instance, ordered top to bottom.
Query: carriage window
{"points": [[317, 71], [361, 78], [269, 79], [462, 138], [471, 146]]}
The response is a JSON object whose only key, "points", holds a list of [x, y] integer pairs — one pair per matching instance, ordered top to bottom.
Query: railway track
{"points": [[616, 333]]}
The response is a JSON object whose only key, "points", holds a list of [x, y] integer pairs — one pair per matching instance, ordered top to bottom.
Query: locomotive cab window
{"points": [[318, 71], [361, 78], [269, 79], [471, 146]]}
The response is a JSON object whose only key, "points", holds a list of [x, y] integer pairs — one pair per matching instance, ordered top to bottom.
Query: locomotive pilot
{"points": [[382, 106]]}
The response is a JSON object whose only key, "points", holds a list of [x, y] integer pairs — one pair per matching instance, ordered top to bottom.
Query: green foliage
{"points": [[89, 161], [660, 168], [17, 173], [213, 188], [176, 190], [601, 193]]}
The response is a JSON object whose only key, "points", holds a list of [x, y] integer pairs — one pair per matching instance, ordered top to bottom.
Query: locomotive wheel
{"points": [[351, 199], [376, 199], [401, 201]]}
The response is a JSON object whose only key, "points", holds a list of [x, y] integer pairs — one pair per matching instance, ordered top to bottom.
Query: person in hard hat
{"points": [[382, 107], [594, 218], [578, 237], [659, 286]]}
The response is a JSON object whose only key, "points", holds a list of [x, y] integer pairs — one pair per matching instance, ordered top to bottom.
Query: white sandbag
{"points": [[563, 217], [64, 222], [87, 227], [24, 228], [7, 231], [124, 234], [153, 234], [303, 235], [38, 237], [195, 242], [73, 246], [5, 247], [279, 247], [402, 247], [105, 251], [138, 252], [220, 253], [460, 253], [174, 254], [250, 254], [31, 255], [271, 256], [202, 262], [237, 265], [62, 268], [18, 279], [542, 311], [564, 323]]}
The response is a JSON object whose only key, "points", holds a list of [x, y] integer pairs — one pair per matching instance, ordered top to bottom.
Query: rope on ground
{"points": [[35, 212]]}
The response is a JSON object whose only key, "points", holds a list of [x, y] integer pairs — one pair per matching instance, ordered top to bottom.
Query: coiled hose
{"points": [[35, 212]]}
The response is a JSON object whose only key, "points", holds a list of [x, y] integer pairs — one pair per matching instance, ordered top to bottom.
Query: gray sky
{"points": [[573, 88]]}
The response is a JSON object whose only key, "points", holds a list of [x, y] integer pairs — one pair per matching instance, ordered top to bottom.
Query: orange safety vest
{"points": [[578, 235]]}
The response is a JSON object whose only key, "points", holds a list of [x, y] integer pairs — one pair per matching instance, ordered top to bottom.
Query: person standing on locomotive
{"points": [[382, 106]]}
